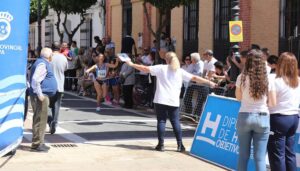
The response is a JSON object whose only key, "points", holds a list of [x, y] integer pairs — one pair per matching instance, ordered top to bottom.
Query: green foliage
{"points": [[168, 4], [71, 6], [34, 10]]}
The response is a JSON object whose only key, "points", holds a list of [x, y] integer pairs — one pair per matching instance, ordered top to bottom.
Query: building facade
{"points": [[203, 24], [94, 25]]}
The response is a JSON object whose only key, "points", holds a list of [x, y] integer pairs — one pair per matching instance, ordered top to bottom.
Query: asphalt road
{"points": [[79, 122]]}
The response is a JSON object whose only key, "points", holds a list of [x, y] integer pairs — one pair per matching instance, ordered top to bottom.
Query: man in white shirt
{"points": [[59, 65], [209, 67]]}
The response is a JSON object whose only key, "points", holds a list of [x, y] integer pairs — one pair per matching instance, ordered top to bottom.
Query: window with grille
{"points": [[127, 17], [290, 18], [191, 21], [191, 28], [221, 28], [86, 34], [49, 36], [289, 39]]}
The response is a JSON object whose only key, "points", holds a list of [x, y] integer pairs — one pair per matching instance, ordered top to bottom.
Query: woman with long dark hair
{"points": [[169, 80], [254, 89], [284, 115]]}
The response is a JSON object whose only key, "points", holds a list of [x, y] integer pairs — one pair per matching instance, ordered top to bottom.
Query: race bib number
{"points": [[101, 74]]}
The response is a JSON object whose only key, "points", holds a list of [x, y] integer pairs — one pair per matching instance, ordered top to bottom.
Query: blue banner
{"points": [[14, 26], [216, 138], [297, 147]]}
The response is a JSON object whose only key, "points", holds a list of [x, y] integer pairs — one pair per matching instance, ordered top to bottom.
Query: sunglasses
{"points": [[187, 59]]}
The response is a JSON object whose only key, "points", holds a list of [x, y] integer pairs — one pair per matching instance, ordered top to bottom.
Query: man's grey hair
{"points": [[209, 52], [46, 53], [196, 56]]}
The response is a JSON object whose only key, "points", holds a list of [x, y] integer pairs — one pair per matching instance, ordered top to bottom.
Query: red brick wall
{"points": [[245, 16], [146, 31]]}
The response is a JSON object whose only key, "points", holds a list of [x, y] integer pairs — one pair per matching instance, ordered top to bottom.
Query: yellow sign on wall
{"points": [[236, 31]]}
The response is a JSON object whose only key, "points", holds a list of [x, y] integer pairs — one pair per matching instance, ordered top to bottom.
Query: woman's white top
{"points": [[168, 84], [287, 98], [248, 103]]}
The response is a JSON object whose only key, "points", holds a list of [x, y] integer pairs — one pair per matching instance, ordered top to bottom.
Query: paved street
{"points": [[114, 136]]}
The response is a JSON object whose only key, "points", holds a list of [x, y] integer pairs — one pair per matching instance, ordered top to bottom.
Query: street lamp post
{"points": [[235, 13], [39, 18]]}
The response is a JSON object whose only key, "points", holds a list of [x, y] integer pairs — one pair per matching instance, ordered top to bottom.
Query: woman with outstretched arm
{"points": [[168, 85]]}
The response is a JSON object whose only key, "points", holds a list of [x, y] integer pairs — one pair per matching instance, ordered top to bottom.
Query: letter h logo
{"points": [[211, 124]]}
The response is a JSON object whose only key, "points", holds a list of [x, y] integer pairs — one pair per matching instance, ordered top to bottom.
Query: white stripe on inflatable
{"points": [[12, 80], [11, 95], [11, 109], [15, 123], [11, 147]]}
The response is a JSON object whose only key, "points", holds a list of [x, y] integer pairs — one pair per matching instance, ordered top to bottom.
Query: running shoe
{"points": [[98, 109]]}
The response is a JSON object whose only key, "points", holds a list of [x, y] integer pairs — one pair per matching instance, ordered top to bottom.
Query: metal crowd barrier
{"points": [[194, 99]]}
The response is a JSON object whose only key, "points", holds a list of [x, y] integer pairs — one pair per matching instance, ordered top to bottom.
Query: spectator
{"points": [[140, 41], [163, 42], [127, 44], [109, 45], [169, 45], [255, 46], [100, 47], [74, 48], [153, 48], [65, 50], [31, 54], [92, 57], [31, 58], [265, 58], [78, 62], [240, 62], [272, 63], [197, 64], [60, 65], [236, 66], [188, 68], [209, 68], [196, 69], [70, 74], [128, 74], [113, 76], [220, 77], [145, 78], [169, 80], [85, 81], [101, 81], [43, 86], [254, 89], [284, 115]]}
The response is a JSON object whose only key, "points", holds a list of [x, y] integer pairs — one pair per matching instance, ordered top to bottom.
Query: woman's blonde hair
{"points": [[172, 60], [287, 68], [255, 69]]}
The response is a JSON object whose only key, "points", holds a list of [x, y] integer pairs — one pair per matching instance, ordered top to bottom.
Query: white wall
{"points": [[94, 12]]}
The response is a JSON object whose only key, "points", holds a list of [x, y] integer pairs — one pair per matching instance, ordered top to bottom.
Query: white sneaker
{"points": [[98, 109]]}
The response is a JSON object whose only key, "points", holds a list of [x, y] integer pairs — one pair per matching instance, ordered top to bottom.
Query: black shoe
{"points": [[52, 128], [41, 148], [160, 148], [180, 148]]}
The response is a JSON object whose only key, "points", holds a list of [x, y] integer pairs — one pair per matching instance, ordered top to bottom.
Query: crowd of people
{"points": [[267, 86]]}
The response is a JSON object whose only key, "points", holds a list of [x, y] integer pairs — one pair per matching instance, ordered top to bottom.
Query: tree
{"points": [[69, 7], [164, 7], [34, 10]]}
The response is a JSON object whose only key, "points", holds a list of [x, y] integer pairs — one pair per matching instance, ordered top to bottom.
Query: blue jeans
{"points": [[55, 103], [162, 112], [253, 127], [281, 143]]}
